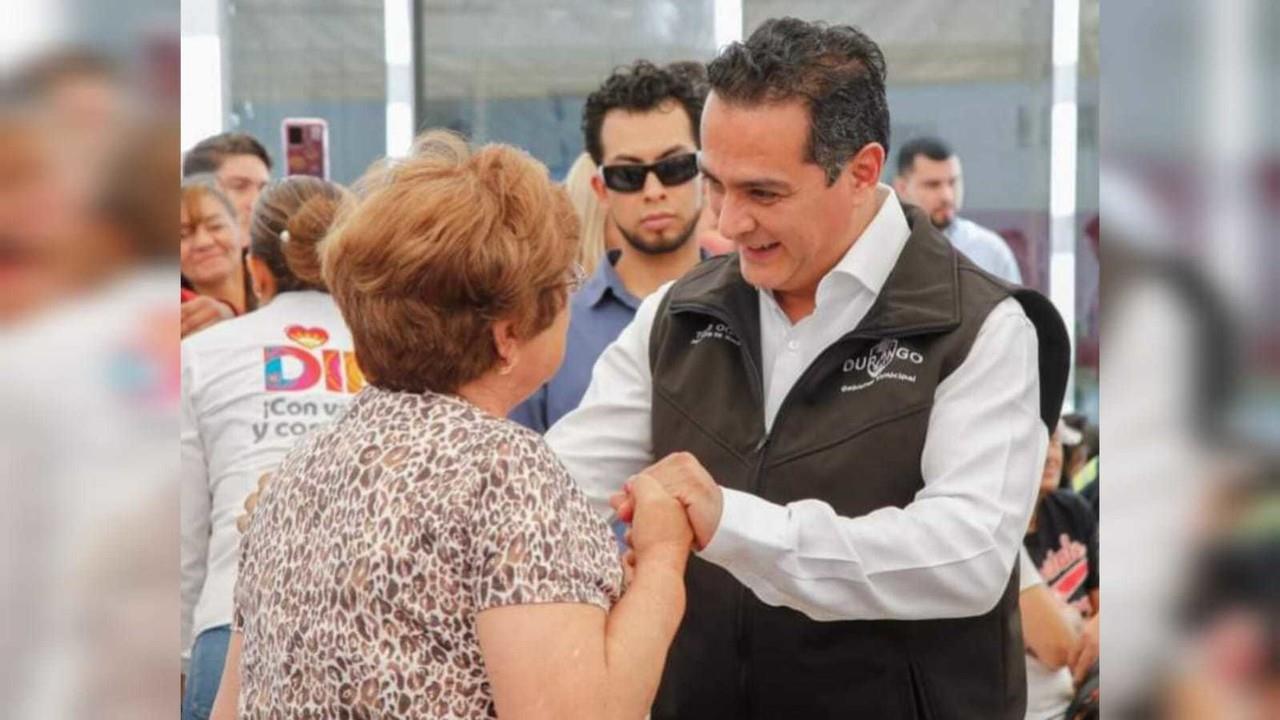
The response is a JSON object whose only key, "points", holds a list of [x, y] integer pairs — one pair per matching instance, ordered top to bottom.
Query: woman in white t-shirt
{"points": [[251, 387], [1049, 634]]}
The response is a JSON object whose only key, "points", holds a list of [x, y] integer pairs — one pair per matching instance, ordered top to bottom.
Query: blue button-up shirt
{"points": [[986, 249], [598, 312]]}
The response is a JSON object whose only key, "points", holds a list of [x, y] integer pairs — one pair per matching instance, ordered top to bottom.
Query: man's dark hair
{"points": [[836, 69], [695, 72], [639, 87], [930, 147], [209, 154]]}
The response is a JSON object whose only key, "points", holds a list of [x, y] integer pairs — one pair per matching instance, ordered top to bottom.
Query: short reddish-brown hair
{"points": [[438, 247]]}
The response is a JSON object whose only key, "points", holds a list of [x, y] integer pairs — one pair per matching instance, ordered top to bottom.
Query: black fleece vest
{"points": [[851, 433]]}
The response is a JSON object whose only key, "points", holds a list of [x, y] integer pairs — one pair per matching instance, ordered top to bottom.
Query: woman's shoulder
{"points": [[450, 424], [511, 445]]}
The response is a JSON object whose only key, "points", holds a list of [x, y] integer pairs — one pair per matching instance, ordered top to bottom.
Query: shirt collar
{"points": [[872, 256], [605, 280]]}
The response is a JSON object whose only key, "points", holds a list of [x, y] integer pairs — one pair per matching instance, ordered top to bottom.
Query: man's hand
{"points": [[201, 312], [684, 478], [659, 526], [1085, 653]]}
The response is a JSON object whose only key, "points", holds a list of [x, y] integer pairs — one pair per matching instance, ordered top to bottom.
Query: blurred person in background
{"points": [[641, 128], [241, 165], [929, 176], [599, 236], [709, 240], [216, 284], [251, 387], [1075, 451], [1080, 464], [1088, 480], [1062, 542], [423, 556], [1050, 632]]}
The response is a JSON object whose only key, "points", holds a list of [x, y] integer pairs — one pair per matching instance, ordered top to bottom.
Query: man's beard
{"points": [[944, 223], [659, 247]]}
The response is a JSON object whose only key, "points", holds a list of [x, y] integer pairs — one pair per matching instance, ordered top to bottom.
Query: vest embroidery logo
{"points": [[717, 331], [880, 357], [877, 360]]}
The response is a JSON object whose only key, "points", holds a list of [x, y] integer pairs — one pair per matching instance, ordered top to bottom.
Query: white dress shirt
{"points": [[949, 553]]}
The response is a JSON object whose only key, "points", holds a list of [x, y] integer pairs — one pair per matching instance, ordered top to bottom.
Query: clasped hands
{"points": [[670, 505]]}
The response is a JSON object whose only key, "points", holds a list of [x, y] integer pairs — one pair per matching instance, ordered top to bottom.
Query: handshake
{"points": [[670, 505]]}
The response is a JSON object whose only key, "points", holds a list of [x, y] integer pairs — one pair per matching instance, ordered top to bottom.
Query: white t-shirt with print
{"points": [[251, 387], [1049, 691]]}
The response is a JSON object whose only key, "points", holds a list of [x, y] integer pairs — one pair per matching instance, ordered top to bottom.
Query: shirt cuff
{"points": [[752, 531]]}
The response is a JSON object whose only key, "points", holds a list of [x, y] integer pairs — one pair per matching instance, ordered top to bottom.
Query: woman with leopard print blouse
{"points": [[422, 556]]}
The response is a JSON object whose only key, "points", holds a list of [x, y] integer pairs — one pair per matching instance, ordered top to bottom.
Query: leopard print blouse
{"points": [[381, 538]]}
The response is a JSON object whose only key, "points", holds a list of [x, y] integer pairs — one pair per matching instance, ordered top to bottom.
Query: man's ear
{"points": [[866, 166], [602, 193], [507, 344]]}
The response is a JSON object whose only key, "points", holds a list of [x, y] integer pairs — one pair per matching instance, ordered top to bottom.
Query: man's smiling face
{"points": [[789, 225]]}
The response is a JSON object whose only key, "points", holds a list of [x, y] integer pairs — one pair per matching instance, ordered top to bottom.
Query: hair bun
{"points": [[305, 230]]}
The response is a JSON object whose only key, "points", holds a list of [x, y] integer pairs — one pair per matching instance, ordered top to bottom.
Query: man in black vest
{"points": [[854, 415]]}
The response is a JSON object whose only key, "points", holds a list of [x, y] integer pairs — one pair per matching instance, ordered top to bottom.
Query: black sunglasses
{"points": [[675, 170]]}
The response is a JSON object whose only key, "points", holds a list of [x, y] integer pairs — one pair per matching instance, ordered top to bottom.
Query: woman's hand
{"points": [[201, 312], [682, 477], [659, 526]]}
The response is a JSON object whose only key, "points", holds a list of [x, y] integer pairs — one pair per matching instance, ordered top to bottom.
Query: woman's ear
{"points": [[263, 282], [507, 344]]}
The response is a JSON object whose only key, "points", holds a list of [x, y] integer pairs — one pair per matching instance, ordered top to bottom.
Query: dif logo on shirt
{"points": [[303, 366]]}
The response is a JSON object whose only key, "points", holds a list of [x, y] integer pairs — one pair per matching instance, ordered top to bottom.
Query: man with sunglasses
{"points": [[641, 129], [853, 414]]}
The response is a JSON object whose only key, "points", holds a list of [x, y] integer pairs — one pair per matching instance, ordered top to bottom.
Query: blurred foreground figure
{"points": [[62, 113], [88, 419], [1192, 623]]}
